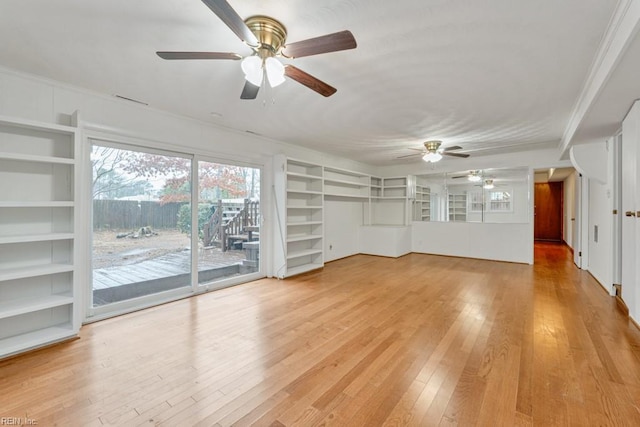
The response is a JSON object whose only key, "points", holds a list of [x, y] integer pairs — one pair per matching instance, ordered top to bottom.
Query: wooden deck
{"points": [[174, 264], [163, 273]]}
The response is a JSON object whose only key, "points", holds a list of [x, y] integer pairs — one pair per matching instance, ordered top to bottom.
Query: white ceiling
{"points": [[487, 75]]}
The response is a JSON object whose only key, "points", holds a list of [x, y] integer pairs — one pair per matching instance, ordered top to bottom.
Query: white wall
{"points": [[500, 242], [600, 252]]}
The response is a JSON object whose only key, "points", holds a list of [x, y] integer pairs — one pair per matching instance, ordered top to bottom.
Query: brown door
{"points": [[548, 211]]}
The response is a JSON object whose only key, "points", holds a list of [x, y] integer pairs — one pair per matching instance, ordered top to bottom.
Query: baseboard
{"points": [[570, 248], [604, 288], [619, 301]]}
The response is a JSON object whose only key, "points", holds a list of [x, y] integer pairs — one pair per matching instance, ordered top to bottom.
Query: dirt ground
{"points": [[109, 251]]}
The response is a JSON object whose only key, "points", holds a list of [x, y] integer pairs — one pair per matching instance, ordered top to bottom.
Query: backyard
{"points": [[111, 251]]}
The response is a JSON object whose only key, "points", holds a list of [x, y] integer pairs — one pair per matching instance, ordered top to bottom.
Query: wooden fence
{"points": [[131, 214]]}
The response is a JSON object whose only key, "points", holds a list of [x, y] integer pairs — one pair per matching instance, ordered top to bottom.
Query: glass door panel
{"points": [[228, 221], [141, 246]]}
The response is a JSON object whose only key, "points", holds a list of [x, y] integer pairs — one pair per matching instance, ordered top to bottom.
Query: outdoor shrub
{"points": [[205, 210]]}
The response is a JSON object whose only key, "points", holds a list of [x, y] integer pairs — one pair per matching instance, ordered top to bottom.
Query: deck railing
{"points": [[225, 229]]}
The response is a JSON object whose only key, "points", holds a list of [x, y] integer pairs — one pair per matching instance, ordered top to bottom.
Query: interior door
{"points": [[630, 138], [548, 211]]}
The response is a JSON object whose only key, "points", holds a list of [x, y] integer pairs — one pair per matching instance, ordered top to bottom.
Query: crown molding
{"points": [[623, 27]]}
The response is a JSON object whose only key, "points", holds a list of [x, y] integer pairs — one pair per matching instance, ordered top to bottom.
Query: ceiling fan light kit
{"points": [[267, 37], [433, 152], [432, 157], [475, 176], [488, 184]]}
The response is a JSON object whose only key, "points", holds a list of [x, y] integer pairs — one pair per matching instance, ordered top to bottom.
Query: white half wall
{"points": [[342, 221], [385, 240], [499, 242]]}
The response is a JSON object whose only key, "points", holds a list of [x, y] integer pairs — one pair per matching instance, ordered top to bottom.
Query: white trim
{"points": [[623, 26]]}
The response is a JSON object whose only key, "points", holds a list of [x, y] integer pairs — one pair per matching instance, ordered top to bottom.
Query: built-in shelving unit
{"points": [[343, 183], [394, 188], [304, 189], [375, 190], [422, 204], [458, 207], [301, 218], [38, 295]]}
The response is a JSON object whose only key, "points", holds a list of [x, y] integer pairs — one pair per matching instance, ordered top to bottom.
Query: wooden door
{"points": [[548, 211]]}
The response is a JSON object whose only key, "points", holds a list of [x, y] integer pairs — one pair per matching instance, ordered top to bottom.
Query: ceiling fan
{"points": [[267, 37], [433, 152], [473, 176]]}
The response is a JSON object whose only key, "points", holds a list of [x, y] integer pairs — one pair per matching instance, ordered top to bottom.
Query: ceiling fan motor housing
{"points": [[271, 35]]}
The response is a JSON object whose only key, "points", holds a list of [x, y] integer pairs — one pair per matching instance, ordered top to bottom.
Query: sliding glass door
{"points": [[149, 246]]}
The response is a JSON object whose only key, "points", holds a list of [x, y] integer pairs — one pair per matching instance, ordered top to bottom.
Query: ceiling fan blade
{"points": [[229, 16], [342, 40], [198, 55], [309, 81], [250, 91], [453, 147], [446, 153], [410, 155], [460, 176]]}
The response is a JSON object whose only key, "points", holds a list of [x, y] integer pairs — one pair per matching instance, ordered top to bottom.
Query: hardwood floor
{"points": [[420, 340]]}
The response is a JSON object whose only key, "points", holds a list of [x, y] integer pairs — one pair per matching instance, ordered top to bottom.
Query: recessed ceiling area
{"points": [[490, 77]]}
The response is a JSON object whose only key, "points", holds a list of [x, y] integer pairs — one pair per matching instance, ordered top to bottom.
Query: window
{"points": [[476, 201], [496, 201], [500, 201]]}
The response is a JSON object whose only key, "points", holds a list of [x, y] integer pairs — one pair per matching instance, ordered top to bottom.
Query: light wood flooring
{"points": [[420, 340]]}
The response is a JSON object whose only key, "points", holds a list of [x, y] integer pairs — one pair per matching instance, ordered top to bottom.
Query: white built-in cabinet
{"points": [[344, 183], [301, 188], [299, 204], [422, 204], [458, 207], [38, 284]]}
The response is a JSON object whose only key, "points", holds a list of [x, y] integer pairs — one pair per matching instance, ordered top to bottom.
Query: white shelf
{"points": [[39, 126], [37, 159], [303, 175], [343, 182], [303, 192], [349, 196], [43, 204], [303, 207], [304, 223], [303, 237], [28, 238], [303, 253], [303, 268], [33, 271], [29, 305], [34, 339]]}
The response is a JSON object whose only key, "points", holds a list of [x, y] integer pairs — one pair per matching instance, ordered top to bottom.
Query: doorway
{"points": [[548, 206]]}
